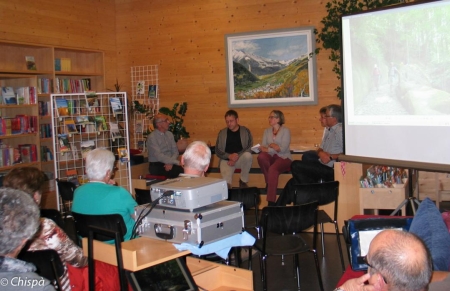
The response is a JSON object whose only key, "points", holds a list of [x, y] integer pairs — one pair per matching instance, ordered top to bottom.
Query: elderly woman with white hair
{"points": [[100, 196]]}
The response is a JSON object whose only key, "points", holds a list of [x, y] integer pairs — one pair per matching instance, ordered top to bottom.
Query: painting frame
{"points": [[267, 68]]}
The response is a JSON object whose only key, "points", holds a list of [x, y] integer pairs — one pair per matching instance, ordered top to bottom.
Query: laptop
{"points": [[172, 275]]}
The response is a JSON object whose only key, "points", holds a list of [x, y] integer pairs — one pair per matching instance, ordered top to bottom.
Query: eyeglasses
{"points": [[271, 117], [369, 265]]}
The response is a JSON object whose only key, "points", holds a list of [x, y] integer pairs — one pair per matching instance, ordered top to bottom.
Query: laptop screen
{"points": [[168, 276]]}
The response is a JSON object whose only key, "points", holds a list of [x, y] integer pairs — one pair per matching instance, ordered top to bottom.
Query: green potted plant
{"points": [[177, 113], [176, 126]]}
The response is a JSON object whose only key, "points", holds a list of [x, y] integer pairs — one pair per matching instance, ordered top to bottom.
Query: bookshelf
{"points": [[14, 73], [147, 96], [81, 122]]}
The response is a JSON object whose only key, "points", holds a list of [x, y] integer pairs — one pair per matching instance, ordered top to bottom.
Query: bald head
{"points": [[402, 259]]}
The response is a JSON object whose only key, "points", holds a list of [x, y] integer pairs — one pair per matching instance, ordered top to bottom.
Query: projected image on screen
{"points": [[400, 60], [396, 82]]}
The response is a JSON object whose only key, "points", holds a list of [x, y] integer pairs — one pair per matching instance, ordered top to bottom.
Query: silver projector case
{"points": [[190, 192], [203, 226]]}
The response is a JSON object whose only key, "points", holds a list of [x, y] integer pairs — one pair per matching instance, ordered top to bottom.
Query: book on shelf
{"points": [[30, 62], [57, 64], [66, 64], [140, 87], [153, 91], [9, 96], [116, 105], [62, 107], [82, 119], [100, 122], [70, 127], [114, 130], [64, 145], [86, 146], [74, 151], [28, 153], [46, 154], [123, 154]]}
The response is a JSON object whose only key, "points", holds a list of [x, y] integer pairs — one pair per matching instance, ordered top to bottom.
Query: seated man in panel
{"points": [[233, 147], [162, 149], [321, 169]]}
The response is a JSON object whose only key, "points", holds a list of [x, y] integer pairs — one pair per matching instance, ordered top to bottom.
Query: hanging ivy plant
{"points": [[330, 34]]}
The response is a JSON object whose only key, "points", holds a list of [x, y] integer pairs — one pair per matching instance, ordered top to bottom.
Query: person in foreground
{"points": [[233, 147], [162, 149], [275, 156], [196, 159], [100, 195], [19, 220], [49, 235], [398, 261]]}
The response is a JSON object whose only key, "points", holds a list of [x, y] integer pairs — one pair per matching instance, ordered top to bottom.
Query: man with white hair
{"points": [[196, 159]]}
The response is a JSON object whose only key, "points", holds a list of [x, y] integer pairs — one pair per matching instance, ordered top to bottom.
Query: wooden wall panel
{"points": [[85, 24], [186, 40]]}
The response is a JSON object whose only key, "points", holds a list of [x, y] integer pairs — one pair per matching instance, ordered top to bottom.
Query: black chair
{"points": [[65, 191], [324, 193], [142, 196], [250, 199], [54, 215], [103, 228], [280, 228], [48, 265]]}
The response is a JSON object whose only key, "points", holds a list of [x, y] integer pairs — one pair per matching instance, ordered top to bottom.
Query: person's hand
{"points": [[275, 147], [264, 149], [233, 157], [324, 157], [231, 163], [168, 167], [357, 284]]}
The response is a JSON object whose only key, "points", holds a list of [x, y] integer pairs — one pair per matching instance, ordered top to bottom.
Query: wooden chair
{"points": [[65, 191], [103, 228]]}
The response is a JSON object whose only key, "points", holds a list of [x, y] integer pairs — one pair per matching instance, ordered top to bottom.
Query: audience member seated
{"points": [[233, 147], [162, 149], [275, 156], [196, 159], [313, 171], [101, 195], [19, 220], [49, 235], [397, 260]]}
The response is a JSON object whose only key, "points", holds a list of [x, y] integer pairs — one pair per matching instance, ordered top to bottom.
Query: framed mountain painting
{"points": [[271, 68]]}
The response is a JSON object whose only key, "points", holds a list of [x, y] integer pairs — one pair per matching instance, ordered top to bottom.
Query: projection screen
{"points": [[396, 85]]}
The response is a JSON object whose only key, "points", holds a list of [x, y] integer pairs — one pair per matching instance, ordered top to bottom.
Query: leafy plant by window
{"points": [[330, 35], [177, 113]]}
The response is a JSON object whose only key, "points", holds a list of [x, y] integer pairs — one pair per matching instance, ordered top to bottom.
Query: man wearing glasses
{"points": [[331, 147], [162, 149], [397, 260]]}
